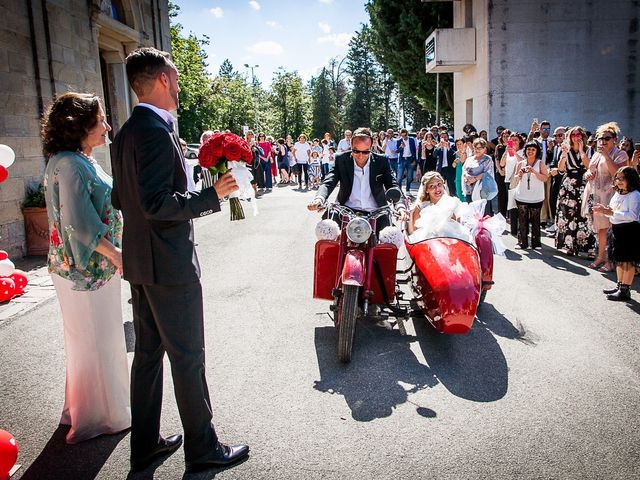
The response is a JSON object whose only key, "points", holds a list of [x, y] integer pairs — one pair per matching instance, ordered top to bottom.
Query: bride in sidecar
{"points": [[451, 247]]}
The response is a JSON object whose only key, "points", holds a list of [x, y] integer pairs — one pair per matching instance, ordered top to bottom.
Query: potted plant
{"points": [[36, 222]]}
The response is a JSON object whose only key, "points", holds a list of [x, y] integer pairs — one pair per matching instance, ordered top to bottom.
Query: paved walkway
{"points": [[39, 289]]}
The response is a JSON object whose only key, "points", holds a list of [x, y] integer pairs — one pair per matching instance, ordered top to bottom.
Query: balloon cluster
{"points": [[7, 157], [12, 281], [8, 453]]}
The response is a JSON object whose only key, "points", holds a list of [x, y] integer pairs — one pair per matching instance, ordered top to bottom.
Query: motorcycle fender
{"points": [[354, 267]]}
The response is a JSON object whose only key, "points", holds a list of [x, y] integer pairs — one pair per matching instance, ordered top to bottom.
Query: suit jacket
{"points": [[412, 148], [438, 153], [380, 178], [150, 187]]}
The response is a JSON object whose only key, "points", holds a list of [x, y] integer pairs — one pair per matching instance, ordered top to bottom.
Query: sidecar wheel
{"points": [[347, 325]]}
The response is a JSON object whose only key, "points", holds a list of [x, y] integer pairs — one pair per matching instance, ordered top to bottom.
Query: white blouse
{"points": [[626, 208]]}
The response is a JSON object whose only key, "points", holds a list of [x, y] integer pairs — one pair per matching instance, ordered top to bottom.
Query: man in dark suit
{"points": [[445, 156], [407, 157], [363, 176], [160, 262]]}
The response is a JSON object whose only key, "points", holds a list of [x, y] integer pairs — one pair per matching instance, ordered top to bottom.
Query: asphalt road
{"points": [[546, 384]]}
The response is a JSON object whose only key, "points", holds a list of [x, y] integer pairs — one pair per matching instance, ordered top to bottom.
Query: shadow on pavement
{"points": [[551, 257], [470, 366], [382, 373], [80, 461]]}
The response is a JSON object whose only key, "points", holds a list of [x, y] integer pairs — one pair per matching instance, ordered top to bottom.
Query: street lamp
{"points": [[253, 83]]}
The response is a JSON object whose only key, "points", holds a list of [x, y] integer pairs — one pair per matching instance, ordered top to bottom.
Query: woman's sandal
{"points": [[595, 264], [606, 268]]}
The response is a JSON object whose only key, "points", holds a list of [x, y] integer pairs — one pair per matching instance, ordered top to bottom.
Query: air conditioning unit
{"points": [[450, 50]]}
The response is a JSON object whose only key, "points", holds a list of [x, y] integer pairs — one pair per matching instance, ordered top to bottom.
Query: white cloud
{"points": [[326, 2], [255, 5], [216, 12], [273, 24], [325, 27], [338, 39], [266, 48]]}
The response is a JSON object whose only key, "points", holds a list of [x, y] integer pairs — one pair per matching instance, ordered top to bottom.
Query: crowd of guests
{"points": [[558, 180]]}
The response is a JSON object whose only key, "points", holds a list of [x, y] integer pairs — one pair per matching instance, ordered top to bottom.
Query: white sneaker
{"points": [[551, 229]]}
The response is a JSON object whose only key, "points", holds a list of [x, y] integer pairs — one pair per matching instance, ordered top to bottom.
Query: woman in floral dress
{"points": [[574, 232], [85, 261]]}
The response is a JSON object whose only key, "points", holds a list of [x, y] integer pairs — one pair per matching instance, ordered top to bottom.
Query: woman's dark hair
{"points": [[67, 122], [281, 141], [533, 145], [631, 176]]}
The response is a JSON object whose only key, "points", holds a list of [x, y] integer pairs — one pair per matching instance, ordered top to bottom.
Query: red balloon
{"points": [[4, 174], [3, 255], [20, 280], [7, 289], [8, 452]]}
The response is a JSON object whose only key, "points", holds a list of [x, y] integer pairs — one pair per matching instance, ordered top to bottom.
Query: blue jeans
{"points": [[405, 163], [393, 164], [266, 166]]}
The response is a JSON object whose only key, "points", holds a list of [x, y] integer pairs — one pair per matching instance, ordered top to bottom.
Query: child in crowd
{"points": [[314, 168]]}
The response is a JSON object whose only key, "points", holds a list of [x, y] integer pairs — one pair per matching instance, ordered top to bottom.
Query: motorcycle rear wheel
{"points": [[348, 308]]}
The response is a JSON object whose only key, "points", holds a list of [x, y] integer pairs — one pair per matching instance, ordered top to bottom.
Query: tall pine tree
{"points": [[325, 116]]}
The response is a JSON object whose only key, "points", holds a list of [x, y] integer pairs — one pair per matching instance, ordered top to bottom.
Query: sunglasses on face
{"points": [[545, 129], [559, 135], [576, 135], [605, 139], [355, 151]]}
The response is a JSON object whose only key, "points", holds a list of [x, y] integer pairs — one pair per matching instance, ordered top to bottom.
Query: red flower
{"points": [[223, 147], [232, 150], [54, 238]]}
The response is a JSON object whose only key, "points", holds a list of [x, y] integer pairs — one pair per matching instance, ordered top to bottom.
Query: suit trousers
{"points": [[449, 175], [169, 318]]}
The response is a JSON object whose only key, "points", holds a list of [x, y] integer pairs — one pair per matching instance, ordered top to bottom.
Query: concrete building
{"points": [[48, 47], [575, 62]]}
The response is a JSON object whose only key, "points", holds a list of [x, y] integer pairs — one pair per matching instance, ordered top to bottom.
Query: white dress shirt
{"points": [[171, 121], [361, 197]]}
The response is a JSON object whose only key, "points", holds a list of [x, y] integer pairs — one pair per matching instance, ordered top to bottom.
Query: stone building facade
{"points": [[48, 47], [575, 62]]}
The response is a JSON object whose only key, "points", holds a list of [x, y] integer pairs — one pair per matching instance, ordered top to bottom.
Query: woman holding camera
{"points": [[602, 168], [531, 173], [574, 233], [622, 239]]}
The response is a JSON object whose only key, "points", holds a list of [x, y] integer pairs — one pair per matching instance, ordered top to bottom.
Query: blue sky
{"points": [[297, 35]]}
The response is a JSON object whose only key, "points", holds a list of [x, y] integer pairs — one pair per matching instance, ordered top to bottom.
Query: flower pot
{"points": [[36, 227]]}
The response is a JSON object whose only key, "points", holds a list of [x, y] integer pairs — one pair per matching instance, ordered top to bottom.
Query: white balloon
{"points": [[7, 156], [6, 267]]}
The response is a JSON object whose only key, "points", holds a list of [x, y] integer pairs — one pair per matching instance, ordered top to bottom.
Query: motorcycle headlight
{"points": [[358, 230]]}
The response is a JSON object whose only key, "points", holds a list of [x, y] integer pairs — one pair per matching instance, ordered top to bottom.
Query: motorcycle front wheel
{"points": [[347, 309]]}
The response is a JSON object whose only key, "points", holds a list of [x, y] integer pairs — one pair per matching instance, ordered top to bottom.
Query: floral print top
{"points": [[78, 196]]}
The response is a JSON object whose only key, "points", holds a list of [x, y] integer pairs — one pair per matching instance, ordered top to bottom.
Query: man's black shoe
{"points": [[166, 446], [223, 455]]}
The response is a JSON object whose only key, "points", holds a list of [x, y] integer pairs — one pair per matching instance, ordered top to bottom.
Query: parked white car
{"points": [[192, 150]]}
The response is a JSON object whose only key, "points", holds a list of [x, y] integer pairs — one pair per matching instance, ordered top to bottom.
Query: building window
{"points": [[113, 8], [469, 112]]}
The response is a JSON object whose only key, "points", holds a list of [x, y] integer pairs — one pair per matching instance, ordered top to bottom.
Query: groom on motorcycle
{"points": [[364, 177]]}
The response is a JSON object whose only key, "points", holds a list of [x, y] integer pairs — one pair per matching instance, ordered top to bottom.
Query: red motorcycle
{"points": [[354, 270]]}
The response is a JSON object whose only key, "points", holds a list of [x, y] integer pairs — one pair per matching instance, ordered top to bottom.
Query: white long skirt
{"points": [[97, 381]]}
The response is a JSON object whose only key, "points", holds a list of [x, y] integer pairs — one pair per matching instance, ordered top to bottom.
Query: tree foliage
{"points": [[398, 31], [290, 103], [324, 117]]}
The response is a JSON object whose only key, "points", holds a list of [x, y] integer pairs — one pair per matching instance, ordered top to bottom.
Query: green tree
{"points": [[398, 43], [362, 69], [290, 104], [324, 106], [195, 111]]}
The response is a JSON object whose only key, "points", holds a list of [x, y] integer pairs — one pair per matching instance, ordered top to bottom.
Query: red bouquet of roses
{"points": [[222, 152]]}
